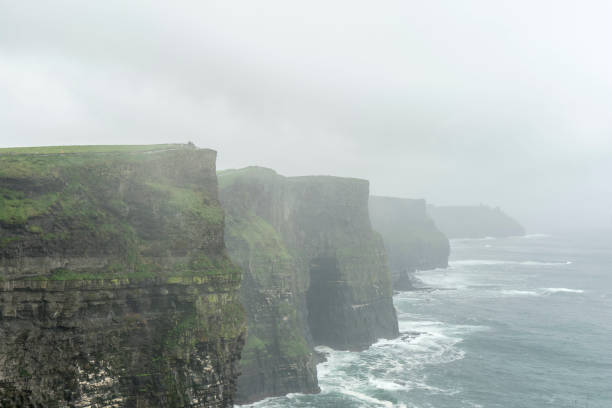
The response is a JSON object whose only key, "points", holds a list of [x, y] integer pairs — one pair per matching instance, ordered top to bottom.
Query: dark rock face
{"points": [[474, 222], [412, 240], [314, 273], [115, 290]]}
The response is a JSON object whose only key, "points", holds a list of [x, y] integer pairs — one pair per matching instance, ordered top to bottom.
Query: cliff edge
{"points": [[412, 240], [315, 273], [115, 288]]}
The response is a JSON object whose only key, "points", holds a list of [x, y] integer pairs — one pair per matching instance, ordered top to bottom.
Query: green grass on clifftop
{"points": [[90, 149], [46, 162], [229, 176], [114, 201]]}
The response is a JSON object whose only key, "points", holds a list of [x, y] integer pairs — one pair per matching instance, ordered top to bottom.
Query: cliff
{"points": [[474, 222], [412, 240], [314, 273], [115, 288]]}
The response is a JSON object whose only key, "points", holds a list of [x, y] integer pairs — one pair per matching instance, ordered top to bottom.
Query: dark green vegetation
{"points": [[91, 149], [474, 222], [412, 240], [314, 272], [115, 287]]}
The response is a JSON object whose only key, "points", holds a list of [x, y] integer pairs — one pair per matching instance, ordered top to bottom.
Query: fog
{"points": [[503, 103]]}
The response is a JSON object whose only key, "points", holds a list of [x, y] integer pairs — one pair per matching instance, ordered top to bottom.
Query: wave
{"points": [[526, 236], [536, 236], [458, 240], [475, 262], [482, 262], [541, 263], [442, 279], [561, 290], [511, 292], [539, 292], [375, 376], [371, 377], [386, 385], [366, 398]]}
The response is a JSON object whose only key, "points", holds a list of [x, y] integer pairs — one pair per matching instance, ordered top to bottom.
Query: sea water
{"points": [[513, 322]]}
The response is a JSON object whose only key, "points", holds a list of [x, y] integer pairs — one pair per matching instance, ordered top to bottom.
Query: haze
{"points": [[504, 103]]}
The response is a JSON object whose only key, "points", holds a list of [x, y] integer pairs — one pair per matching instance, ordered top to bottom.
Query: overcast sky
{"points": [[461, 102]]}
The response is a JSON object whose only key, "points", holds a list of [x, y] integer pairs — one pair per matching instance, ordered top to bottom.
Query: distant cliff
{"points": [[474, 222], [412, 240], [314, 273], [115, 289]]}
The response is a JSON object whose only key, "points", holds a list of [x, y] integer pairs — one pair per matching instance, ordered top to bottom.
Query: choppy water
{"points": [[517, 322]]}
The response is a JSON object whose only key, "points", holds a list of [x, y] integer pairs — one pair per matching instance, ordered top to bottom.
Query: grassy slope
{"points": [[90, 149]]}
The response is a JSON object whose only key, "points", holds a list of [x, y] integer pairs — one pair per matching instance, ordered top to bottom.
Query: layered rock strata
{"points": [[315, 273], [115, 288]]}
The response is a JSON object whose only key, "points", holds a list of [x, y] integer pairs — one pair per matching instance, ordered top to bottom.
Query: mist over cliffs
{"points": [[474, 221], [412, 239], [315, 273]]}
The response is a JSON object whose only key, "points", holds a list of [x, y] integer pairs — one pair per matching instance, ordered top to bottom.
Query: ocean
{"points": [[522, 322]]}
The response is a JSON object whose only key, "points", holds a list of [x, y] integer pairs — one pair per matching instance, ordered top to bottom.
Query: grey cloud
{"points": [[460, 102]]}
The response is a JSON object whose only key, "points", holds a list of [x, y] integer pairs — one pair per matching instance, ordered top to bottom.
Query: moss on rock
{"points": [[114, 266]]}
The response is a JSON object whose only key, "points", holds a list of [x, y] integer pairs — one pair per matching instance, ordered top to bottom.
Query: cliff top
{"points": [[94, 149], [45, 162], [228, 176], [110, 202]]}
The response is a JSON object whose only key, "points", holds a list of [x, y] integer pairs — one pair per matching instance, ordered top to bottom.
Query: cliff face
{"points": [[474, 222], [412, 240], [314, 273], [115, 289]]}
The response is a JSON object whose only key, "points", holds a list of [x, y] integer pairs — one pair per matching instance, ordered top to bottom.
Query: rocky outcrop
{"points": [[478, 221], [412, 240], [314, 273], [115, 289]]}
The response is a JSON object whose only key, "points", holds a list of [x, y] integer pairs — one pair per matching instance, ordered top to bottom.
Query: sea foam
{"points": [[536, 236], [486, 262], [561, 290], [511, 292], [539, 292], [366, 398]]}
